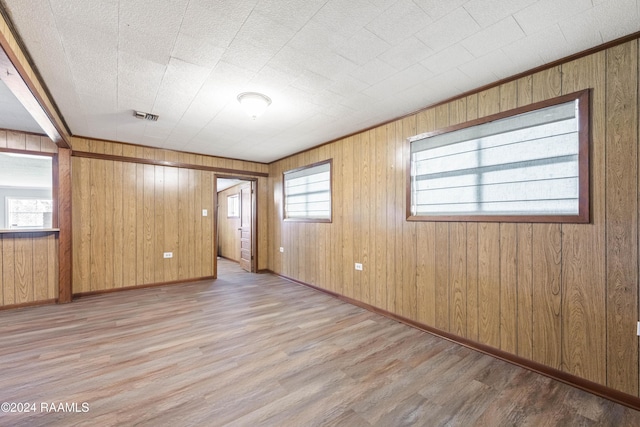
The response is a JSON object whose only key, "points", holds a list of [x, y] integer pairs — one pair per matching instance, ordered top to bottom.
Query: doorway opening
{"points": [[236, 221]]}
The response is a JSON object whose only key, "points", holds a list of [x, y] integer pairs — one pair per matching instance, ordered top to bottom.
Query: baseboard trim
{"points": [[229, 259], [148, 285], [28, 304], [556, 374]]}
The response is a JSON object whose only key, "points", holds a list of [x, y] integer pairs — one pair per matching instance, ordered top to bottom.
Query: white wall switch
{"points": [[204, 212], [281, 249], [168, 254], [358, 266], [638, 331]]}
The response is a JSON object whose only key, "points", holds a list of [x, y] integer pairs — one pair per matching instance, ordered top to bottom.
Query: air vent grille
{"points": [[145, 116]]}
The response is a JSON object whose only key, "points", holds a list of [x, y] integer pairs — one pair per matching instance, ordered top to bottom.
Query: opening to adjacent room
{"points": [[236, 223]]}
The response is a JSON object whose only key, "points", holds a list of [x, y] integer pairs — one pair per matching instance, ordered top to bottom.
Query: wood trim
{"points": [[22, 87], [475, 91], [582, 95], [584, 141], [133, 144], [89, 155], [301, 168], [55, 190], [284, 196], [254, 218], [310, 220], [254, 225], [216, 226], [29, 230], [65, 238], [228, 259], [148, 285], [28, 304], [556, 374]]}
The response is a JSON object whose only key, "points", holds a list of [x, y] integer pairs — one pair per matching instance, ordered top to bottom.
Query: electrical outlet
{"points": [[204, 212], [281, 249], [168, 254], [358, 266]]}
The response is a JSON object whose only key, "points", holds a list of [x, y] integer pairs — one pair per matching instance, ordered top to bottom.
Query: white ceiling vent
{"points": [[145, 116]]}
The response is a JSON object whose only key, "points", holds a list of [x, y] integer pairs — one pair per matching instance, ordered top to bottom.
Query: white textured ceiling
{"points": [[331, 67], [13, 115]]}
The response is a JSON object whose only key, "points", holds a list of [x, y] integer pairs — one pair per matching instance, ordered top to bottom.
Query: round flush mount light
{"points": [[254, 103]]}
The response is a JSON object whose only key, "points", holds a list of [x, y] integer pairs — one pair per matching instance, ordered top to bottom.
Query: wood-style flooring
{"points": [[256, 350]]}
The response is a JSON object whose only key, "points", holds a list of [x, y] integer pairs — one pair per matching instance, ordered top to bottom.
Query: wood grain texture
{"points": [[128, 154], [345, 180], [359, 215], [126, 216], [622, 216], [380, 230], [228, 234], [408, 234], [458, 249], [508, 253], [63, 254], [524, 257], [547, 257], [29, 261], [28, 266], [443, 272], [489, 284], [508, 288], [584, 289], [547, 292], [473, 319], [259, 350]]}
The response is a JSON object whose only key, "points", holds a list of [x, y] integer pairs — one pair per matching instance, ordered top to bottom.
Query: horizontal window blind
{"points": [[527, 164], [307, 193]]}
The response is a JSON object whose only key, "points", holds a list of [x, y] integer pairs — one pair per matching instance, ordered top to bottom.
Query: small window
{"points": [[530, 166], [26, 191], [307, 193], [233, 206]]}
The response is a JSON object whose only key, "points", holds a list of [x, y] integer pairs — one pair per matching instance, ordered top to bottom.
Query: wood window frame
{"points": [[584, 144], [54, 191], [284, 193]]}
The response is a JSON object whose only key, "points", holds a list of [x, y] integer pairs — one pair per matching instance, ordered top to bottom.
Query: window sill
{"points": [[29, 230]]}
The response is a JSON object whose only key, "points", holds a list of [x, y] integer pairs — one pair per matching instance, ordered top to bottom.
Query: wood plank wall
{"points": [[127, 214], [228, 234], [28, 261], [564, 295]]}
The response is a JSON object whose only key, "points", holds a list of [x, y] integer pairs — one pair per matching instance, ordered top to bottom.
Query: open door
{"points": [[246, 231]]}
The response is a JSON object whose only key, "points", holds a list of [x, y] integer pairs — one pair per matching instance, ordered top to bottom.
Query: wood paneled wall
{"points": [[148, 153], [127, 214], [228, 234], [28, 261], [563, 295]]}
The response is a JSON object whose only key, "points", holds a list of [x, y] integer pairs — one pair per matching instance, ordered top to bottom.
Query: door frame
{"points": [[254, 219]]}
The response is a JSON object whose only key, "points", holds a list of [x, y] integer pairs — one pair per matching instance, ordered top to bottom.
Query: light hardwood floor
{"points": [[253, 350]]}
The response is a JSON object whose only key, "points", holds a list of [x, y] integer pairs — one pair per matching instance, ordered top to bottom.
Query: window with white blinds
{"points": [[531, 166], [307, 193]]}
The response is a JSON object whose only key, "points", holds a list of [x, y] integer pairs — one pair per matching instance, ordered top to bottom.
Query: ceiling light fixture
{"points": [[253, 103]]}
